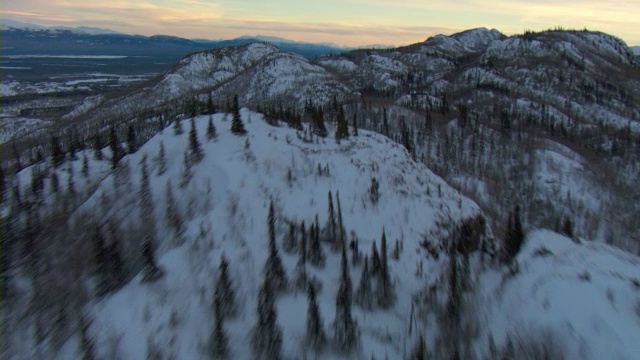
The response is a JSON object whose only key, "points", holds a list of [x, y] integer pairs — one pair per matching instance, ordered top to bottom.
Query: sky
{"points": [[343, 22]]}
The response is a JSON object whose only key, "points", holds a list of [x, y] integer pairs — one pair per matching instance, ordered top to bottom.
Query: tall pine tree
{"points": [[237, 126], [211, 129], [116, 150], [195, 150], [273, 268], [384, 290], [224, 293], [345, 327], [267, 335], [315, 337], [219, 344]]}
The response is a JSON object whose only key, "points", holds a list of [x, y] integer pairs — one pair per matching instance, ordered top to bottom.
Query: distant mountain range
{"points": [[20, 38]]}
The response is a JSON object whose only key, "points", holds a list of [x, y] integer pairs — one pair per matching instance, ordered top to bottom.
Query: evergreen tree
{"points": [[210, 107], [318, 123], [385, 123], [355, 124], [237, 126], [177, 127], [211, 129], [342, 131], [132, 143], [194, 145], [97, 146], [116, 150], [57, 155], [161, 160], [85, 165], [187, 174], [71, 189], [172, 215], [147, 216], [331, 227], [567, 228], [341, 233], [514, 235], [289, 244], [316, 255], [109, 264], [376, 267], [273, 268], [301, 280], [384, 289], [224, 293], [364, 294], [455, 296], [345, 327], [267, 336], [315, 337], [86, 345], [219, 345], [419, 350]]}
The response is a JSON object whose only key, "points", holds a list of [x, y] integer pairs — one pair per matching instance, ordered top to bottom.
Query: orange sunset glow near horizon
{"points": [[346, 23]]}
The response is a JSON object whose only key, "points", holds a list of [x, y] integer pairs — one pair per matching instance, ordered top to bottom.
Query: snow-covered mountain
{"points": [[467, 144], [223, 202]]}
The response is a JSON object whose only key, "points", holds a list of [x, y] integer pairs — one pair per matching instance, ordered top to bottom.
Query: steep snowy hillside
{"points": [[440, 257], [582, 299]]}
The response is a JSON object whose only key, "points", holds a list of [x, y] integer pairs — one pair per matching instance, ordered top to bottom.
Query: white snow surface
{"points": [[586, 295]]}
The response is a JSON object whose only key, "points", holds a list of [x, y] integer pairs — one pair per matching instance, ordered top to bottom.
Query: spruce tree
{"points": [[318, 123], [385, 123], [355, 124], [237, 126], [177, 127], [211, 129], [342, 130], [132, 144], [194, 145], [97, 146], [116, 150], [57, 155], [161, 160], [85, 165], [187, 173], [146, 206], [172, 215], [331, 227], [567, 227], [341, 233], [514, 235], [289, 244], [316, 255], [376, 267], [273, 268], [301, 279], [384, 290], [224, 293], [364, 294], [345, 327], [267, 335], [315, 337], [86, 344], [219, 344], [419, 350]]}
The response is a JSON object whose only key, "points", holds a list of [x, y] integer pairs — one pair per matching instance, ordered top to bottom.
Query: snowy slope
{"points": [[229, 196], [225, 206], [585, 296]]}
